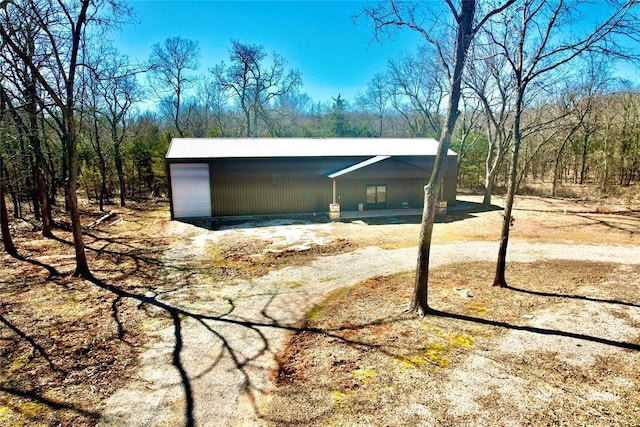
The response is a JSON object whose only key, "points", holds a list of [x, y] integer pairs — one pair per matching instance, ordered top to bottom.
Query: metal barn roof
{"points": [[212, 148]]}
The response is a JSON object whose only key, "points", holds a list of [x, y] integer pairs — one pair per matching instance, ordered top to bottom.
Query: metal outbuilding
{"points": [[263, 176]]}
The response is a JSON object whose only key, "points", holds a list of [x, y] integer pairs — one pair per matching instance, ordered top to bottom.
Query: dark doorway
{"points": [[376, 196]]}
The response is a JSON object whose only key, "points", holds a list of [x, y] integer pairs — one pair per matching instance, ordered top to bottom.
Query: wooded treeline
{"points": [[76, 115]]}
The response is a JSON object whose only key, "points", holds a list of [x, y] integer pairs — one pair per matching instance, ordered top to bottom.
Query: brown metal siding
{"points": [[450, 183], [300, 185], [265, 186], [353, 192], [248, 196]]}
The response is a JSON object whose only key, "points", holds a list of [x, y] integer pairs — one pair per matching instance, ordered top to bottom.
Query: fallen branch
{"points": [[102, 219], [116, 221]]}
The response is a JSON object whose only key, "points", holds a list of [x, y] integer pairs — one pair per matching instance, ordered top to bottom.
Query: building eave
{"points": [[219, 148]]}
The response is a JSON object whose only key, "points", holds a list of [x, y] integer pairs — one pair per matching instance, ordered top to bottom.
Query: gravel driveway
{"points": [[225, 361]]}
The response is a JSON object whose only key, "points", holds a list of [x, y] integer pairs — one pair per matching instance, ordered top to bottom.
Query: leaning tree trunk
{"points": [[492, 165], [420, 302]]}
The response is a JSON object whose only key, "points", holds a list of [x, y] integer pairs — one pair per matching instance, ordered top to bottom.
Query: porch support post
{"points": [[334, 190], [334, 208]]}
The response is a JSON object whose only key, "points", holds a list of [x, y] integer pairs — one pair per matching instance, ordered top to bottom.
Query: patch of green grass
{"points": [[397, 245], [290, 284], [478, 308], [314, 313], [438, 352], [17, 364], [363, 374], [31, 409], [5, 413]]}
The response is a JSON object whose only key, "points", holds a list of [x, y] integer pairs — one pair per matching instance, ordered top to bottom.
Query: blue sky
{"points": [[318, 38]]}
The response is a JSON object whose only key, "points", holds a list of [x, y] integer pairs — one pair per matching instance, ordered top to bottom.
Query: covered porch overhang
{"points": [[350, 169]]}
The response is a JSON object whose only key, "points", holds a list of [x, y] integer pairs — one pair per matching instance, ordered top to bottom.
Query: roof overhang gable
{"points": [[357, 166]]}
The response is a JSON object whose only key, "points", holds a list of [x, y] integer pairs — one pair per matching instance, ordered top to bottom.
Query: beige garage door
{"points": [[190, 190]]}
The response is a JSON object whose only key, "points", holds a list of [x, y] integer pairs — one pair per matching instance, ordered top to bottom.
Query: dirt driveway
{"points": [[214, 362]]}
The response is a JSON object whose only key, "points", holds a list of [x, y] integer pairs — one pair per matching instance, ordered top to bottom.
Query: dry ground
{"points": [[67, 344], [547, 352]]}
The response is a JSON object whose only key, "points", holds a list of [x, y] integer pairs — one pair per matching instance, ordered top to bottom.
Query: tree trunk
{"points": [[34, 140], [102, 163], [493, 164], [27, 169], [583, 169], [120, 173], [556, 173], [489, 182], [53, 188], [34, 193], [44, 205], [17, 208], [9, 247], [82, 267], [499, 279], [420, 302]]}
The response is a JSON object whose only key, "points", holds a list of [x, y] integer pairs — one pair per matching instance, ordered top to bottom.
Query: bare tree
{"points": [[393, 15], [64, 27], [535, 43], [170, 78], [255, 82], [417, 84], [492, 85], [115, 90], [376, 100], [23, 101], [576, 107], [212, 109], [469, 126], [92, 127], [627, 152], [7, 240]]}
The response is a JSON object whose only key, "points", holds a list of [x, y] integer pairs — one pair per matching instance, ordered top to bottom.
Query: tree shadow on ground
{"points": [[632, 225], [50, 269], [575, 297], [179, 315], [534, 329], [37, 348], [242, 362], [37, 392], [51, 403]]}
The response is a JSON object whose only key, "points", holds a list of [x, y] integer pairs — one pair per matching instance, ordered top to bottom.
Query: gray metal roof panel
{"points": [[212, 148]]}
